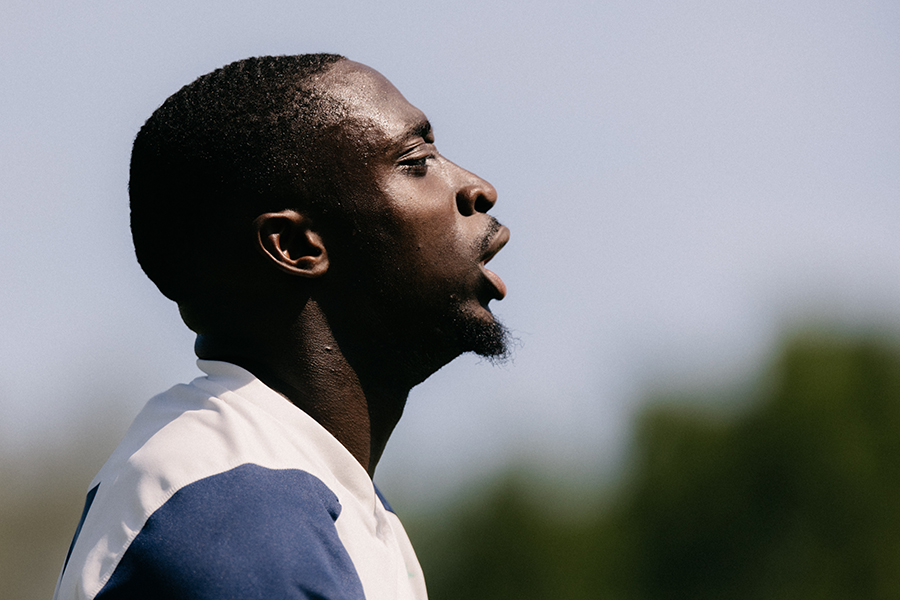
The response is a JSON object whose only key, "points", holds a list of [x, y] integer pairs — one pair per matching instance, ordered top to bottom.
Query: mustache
{"points": [[493, 227]]}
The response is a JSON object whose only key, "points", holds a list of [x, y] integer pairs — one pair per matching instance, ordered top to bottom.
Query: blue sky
{"points": [[682, 179]]}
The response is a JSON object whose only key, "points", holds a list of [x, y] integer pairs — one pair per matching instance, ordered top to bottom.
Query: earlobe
{"points": [[288, 238]]}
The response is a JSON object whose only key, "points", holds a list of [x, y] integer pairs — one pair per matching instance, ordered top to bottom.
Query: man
{"points": [[329, 259]]}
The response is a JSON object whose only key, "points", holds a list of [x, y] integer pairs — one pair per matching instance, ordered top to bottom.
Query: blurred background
{"points": [[704, 278]]}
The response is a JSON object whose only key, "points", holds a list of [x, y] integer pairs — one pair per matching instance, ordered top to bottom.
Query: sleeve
{"points": [[248, 533]]}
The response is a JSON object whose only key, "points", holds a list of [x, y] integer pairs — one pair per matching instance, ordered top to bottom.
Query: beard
{"points": [[489, 339]]}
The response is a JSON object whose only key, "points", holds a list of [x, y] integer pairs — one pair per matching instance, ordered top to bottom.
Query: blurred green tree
{"points": [[796, 495]]}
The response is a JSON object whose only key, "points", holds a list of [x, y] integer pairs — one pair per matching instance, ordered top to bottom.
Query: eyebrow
{"points": [[420, 129]]}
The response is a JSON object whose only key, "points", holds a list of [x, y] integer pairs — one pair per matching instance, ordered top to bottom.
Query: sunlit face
{"points": [[421, 232]]}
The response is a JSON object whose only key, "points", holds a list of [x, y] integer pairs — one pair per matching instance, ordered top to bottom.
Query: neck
{"points": [[304, 363]]}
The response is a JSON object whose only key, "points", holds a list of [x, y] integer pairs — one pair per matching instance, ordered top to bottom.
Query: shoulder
{"points": [[203, 481], [250, 532]]}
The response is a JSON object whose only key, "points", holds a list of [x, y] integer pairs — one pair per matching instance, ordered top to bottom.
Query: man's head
{"points": [[234, 143], [318, 158]]}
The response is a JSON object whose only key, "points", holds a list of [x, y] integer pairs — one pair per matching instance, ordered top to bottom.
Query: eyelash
{"points": [[417, 166]]}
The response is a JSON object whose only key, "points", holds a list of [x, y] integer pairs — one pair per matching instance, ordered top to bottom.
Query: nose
{"points": [[475, 196]]}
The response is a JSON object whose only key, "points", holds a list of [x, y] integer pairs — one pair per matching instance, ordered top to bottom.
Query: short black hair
{"points": [[235, 143]]}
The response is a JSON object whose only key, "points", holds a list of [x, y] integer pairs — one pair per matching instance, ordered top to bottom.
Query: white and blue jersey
{"points": [[224, 489]]}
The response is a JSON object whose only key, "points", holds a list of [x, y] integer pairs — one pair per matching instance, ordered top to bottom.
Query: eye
{"points": [[417, 167]]}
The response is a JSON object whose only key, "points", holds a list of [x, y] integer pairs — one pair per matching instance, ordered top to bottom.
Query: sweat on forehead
{"points": [[372, 102]]}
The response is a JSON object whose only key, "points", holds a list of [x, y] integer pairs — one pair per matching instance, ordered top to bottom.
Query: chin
{"points": [[486, 337]]}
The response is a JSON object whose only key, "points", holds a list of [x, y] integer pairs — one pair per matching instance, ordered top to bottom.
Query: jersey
{"points": [[222, 488]]}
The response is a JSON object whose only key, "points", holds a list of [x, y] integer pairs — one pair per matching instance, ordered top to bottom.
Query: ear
{"points": [[288, 238]]}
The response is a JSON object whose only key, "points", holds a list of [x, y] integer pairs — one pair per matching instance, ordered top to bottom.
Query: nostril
{"points": [[464, 204], [482, 204]]}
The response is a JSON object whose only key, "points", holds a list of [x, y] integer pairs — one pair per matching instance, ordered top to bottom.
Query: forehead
{"points": [[371, 102]]}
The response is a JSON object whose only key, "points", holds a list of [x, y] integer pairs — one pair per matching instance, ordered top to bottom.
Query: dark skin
{"points": [[344, 318]]}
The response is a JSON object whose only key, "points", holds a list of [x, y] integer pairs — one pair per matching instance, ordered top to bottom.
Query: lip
{"points": [[500, 240]]}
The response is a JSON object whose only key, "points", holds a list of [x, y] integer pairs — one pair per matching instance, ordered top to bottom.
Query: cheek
{"points": [[422, 220], [426, 228]]}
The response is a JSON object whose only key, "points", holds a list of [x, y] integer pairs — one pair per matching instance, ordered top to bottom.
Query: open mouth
{"points": [[495, 246]]}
